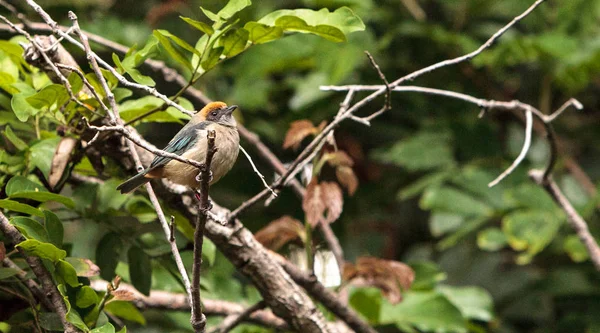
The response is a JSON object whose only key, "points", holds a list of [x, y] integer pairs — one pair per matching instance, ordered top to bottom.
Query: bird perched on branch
{"points": [[191, 143]]}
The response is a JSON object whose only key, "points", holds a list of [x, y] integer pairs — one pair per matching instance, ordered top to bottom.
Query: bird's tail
{"points": [[133, 183]]}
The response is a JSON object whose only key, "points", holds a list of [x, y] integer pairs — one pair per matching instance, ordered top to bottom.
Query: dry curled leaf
{"points": [[299, 130], [61, 158], [347, 178], [321, 198], [280, 232], [92, 269], [391, 277], [123, 295]]}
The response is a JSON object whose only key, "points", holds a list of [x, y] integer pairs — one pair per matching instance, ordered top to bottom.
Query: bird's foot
{"points": [[199, 176]]}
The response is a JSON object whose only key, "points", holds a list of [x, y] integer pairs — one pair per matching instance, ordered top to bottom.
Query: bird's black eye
{"points": [[214, 113]]}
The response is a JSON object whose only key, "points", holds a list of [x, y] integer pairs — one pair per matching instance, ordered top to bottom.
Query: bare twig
{"points": [[571, 102], [522, 154], [260, 175], [42, 274], [31, 285], [198, 319], [231, 321]]}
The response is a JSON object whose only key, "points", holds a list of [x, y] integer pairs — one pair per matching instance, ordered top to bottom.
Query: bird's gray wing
{"points": [[182, 142]]}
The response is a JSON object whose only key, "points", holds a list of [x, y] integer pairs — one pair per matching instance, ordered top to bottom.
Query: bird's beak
{"points": [[230, 109]]}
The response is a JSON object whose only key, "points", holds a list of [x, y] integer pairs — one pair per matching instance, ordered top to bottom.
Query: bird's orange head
{"points": [[217, 112]]}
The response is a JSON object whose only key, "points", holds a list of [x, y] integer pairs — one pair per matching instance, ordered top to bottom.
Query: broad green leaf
{"points": [[232, 7], [212, 16], [342, 19], [296, 24], [207, 29], [261, 33], [179, 41], [234, 42], [148, 51], [175, 53], [212, 59], [130, 68], [76, 83], [121, 94], [48, 96], [21, 108], [14, 139], [423, 151], [42, 154], [21, 184], [418, 186], [45, 196], [531, 196], [109, 197], [447, 199], [19, 207], [441, 223], [54, 227], [468, 227], [30, 228], [530, 231], [491, 239], [575, 249], [43, 250], [108, 251], [209, 251], [83, 267], [140, 269], [6, 272], [66, 273], [427, 275], [86, 296], [367, 302], [474, 303], [125, 310], [427, 311], [51, 321], [106, 328], [123, 330]]}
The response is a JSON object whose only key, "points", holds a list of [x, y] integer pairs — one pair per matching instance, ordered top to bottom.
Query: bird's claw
{"points": [[210, 176]]}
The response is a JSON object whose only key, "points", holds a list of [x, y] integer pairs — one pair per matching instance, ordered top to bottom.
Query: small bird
{"points": [[191, 142]]}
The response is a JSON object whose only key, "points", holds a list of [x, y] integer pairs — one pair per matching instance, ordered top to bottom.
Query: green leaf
{"points": [[232, 7], [212, 16], [342, 19], [296, 24], [207, 29], [261, 33], [179, 41], [234, 42], [175, 53], [213, 58], [129, 67], [76, 83], [121, 94], [48, 96], [21, 108], [14, 139], [423, 151], [42, 154], [21, 184], [417, 187], [531, 196], [44, 197], [109, 197], [446, 199], [19, 207], [442, 223], [54, 227], [30, 228], [530, 231], [491, 239], [575, 249], [43, 250], [209, 251], [107, 255], [83, 267], [140, 269], [6, 272], [65, 273], [427, 275], [86, 296], [367, 301], [474, 303], [125, 310], [427, 311], [50, 321], [106, 328], [123, 330]]}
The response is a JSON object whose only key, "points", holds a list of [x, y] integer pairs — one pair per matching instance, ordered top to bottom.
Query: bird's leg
{"points": [[210, 176], [209, 204]]}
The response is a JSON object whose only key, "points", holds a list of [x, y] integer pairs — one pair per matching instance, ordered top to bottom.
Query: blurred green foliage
{"points": [[486, 259]]}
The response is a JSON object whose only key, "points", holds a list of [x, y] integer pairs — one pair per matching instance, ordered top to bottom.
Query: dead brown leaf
{"points": [[299, 130], [61, 158], [339, 158], [347, 178], [332, 196], [312, 204], [280, 232], [391, 277], [123, 295]]}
